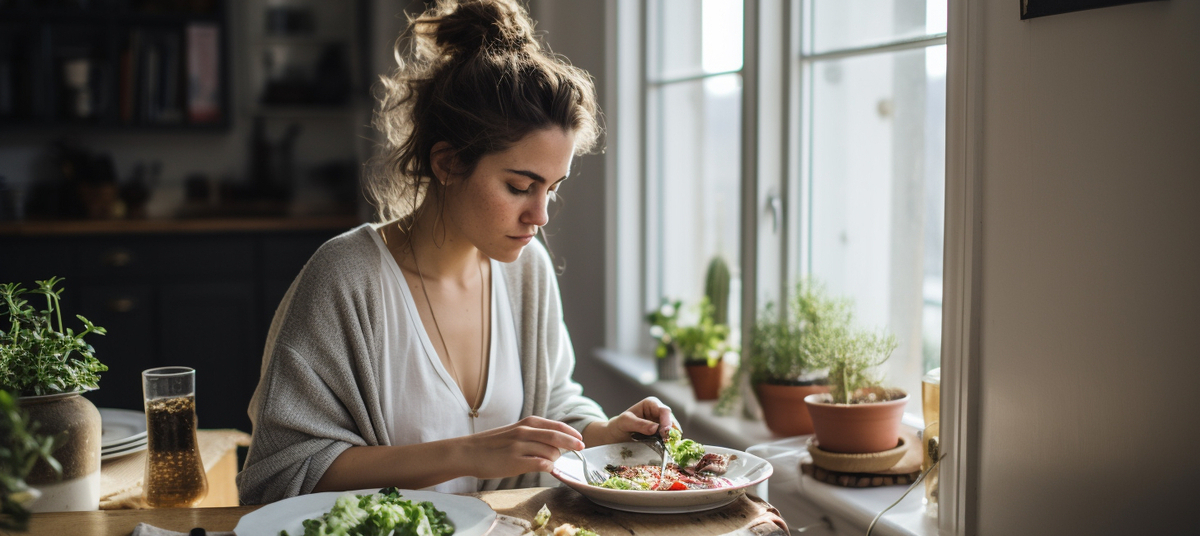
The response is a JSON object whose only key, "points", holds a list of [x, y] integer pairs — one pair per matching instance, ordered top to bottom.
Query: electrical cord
{"points": [[905, 494]]}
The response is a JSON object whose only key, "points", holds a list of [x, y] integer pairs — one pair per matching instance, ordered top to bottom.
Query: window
{"points": [[693, 100], [872, 158], [858, 180]]}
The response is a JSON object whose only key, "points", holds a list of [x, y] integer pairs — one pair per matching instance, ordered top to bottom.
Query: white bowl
{"points": [[744, 470]]}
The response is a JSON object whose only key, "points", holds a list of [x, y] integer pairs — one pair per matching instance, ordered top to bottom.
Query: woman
{"points": [[430, 351]]}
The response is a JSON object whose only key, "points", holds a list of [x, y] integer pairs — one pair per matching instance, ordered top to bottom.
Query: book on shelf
{"points": [[203, 73]]}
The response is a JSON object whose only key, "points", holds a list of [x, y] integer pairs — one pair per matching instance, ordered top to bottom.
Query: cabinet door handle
{"points": [[117, 258], [121, 305]]}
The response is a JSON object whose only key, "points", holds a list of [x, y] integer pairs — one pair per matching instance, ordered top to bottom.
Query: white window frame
{"points": [[769, 82]]}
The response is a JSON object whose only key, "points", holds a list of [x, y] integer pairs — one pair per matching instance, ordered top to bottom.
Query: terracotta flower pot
{"points": [[706, 380], [784, 409], [76, 422], [856, 428]]}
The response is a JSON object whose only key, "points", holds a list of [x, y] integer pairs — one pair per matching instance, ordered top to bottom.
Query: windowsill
{"points": [[800, 499]]}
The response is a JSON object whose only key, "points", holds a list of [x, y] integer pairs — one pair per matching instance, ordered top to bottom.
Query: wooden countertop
{"points": [[157, 226], [745, 516]]}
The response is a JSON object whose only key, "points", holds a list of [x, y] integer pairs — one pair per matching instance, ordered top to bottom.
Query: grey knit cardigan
{"points": [[318, 393]]}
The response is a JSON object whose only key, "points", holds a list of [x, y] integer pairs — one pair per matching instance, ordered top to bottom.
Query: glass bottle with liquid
{"points": [[931, 397], [174, 472]]}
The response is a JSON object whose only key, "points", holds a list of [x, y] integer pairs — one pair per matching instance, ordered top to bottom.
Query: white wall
{"points": [[577, 228], [1090, 299]]}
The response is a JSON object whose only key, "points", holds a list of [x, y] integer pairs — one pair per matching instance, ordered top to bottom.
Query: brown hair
{"points": [[477, 78]]}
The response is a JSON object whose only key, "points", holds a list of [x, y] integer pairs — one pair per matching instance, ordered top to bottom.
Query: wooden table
{"points": [[745, 516]]}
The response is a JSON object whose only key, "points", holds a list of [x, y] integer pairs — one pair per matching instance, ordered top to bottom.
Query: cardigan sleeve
{"points": [[318, 393], [566, 401]]}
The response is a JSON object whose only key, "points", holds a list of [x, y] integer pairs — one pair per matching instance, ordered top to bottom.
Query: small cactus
{"points": [[716, 287]]}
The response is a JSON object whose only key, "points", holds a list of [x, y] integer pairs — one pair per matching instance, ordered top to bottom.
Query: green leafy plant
{"points": [[663, 325], [704, 340], [783, 344], [797, 345], [38, 355], [850, 355], [20, 448]]}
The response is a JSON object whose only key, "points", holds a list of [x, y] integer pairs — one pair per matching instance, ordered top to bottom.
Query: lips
{"points": [[524, 239]]}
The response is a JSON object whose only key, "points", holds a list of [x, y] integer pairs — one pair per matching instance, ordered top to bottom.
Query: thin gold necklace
{"points": [[482, 333]]}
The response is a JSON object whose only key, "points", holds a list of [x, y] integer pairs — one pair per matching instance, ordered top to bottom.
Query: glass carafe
{"points": [[931, 397], [174, 472]]}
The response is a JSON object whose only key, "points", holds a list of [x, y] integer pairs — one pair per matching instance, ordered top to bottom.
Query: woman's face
{"points": [[501, 205]]}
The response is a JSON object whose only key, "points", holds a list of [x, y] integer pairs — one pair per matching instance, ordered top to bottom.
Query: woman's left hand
{"points": [[650, 416]]}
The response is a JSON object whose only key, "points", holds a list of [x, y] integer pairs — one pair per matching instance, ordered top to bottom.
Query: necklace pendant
{"points": [[474, 413]]}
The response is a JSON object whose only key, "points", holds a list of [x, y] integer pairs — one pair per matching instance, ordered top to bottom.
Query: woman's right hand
{"points": [[529, 445]]}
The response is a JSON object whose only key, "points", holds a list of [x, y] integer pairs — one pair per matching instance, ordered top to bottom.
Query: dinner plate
{"points": [[118, 426], [124, 450], [744, 470], [471, 516]]}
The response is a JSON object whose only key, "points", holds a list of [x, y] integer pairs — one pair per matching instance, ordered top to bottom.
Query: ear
{"points": [[441, 159]]}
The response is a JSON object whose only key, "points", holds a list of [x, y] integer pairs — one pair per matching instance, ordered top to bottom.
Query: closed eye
{"points": [[517, 191]]}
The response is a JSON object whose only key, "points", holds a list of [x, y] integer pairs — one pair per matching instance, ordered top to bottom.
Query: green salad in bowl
{"points": [[379, 514]]}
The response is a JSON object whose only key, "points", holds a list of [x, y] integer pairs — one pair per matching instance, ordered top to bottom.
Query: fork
{"points": [[655, 442], [592, 476]]}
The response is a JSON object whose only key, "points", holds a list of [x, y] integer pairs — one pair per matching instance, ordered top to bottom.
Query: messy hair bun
{"points": [[474, 76]]}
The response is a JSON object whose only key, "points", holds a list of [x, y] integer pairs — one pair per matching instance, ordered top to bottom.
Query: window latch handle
{"points": [[775, 205]]}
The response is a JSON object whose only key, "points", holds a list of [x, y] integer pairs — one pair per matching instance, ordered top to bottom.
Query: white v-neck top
{"points": [[420, 399]]}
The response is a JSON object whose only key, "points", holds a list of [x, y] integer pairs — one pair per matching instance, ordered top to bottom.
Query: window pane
{"points": [[839, 24], [694, 38], [877, 142], [695, 174]]}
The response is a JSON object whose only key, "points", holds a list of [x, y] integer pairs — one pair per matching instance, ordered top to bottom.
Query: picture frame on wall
{"points": [[1042, 8]]}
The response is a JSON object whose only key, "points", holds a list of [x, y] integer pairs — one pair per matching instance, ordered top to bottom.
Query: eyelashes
{"points": [[550, 194]]}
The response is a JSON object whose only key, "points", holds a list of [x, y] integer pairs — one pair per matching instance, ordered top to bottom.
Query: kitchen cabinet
{"points": [[197, 296]]}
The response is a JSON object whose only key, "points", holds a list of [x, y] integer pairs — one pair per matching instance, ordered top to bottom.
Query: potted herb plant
{"points": [[663, 325], [703, 347], [779, 361], [49, 365], [857, 415], [21, 446]]}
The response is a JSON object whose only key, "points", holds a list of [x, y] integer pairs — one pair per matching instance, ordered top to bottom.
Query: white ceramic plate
{"points": [[119, 426], [124, 450], [745, 470], [471, 516]]}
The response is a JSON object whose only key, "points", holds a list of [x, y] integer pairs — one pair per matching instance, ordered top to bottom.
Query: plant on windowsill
{"points": [[663, 325], [703, 346], [779, 363], [48, 366], [858, 415], [21, 446]]}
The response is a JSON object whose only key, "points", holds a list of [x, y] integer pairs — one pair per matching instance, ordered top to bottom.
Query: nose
{"points": [[537, 213]]}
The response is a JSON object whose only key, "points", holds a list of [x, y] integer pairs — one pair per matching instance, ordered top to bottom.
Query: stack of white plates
{"points": [[123, 432]]}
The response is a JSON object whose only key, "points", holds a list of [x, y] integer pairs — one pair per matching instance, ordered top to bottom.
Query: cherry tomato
{"points": [[677, 485]]}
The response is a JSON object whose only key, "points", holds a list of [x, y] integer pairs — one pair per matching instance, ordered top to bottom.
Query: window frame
{"points": [[766, 260]]}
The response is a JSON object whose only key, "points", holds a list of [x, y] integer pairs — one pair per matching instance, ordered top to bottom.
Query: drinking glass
{"points": [[931, 397], [174, 472]]}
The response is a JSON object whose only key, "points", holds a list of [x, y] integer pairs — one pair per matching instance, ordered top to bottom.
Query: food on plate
{"points": [[683, 451], [693, 469], [386, 512], [542, 517], [567, 529]]}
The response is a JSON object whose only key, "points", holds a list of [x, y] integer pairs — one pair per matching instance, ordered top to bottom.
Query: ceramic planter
{"points": [[670, 367], [706, 380], [784, 409], [76, 422], [856, 428]]}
